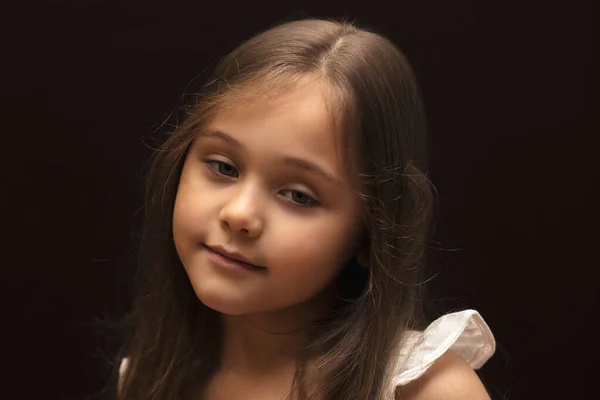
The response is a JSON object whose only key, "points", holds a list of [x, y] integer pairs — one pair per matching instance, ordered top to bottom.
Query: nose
{"points": [[241, 214]]}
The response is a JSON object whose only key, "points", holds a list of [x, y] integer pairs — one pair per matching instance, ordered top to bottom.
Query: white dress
{"points": [[464, 332]]}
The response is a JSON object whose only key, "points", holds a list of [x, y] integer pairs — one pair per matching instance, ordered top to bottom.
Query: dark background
{"points": [[507, 89]]}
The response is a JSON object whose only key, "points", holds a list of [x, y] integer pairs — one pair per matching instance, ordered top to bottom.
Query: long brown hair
{"points": [[175, 339]]}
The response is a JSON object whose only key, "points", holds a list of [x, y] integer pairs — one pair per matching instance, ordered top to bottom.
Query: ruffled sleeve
{"points": [[464, 332], [123, 366]]}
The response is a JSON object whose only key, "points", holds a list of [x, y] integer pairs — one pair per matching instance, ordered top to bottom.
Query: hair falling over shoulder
{"points": [[173, 344]]}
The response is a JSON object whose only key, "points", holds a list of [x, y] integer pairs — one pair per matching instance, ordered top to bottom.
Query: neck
{"points": [[269, 342], [252, 346]]}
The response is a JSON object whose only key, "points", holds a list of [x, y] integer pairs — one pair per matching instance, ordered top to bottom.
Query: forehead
{"points": [[302, 108], [299, 123]]}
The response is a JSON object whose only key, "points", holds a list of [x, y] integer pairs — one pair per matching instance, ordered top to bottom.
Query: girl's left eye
{"points": [[222, 168], [299, 198]]}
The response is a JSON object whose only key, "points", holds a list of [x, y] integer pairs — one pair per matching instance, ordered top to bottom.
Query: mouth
{"points": [[232, 258]]}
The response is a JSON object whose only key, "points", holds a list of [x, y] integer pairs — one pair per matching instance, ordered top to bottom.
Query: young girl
{"points": [[285, 228]]}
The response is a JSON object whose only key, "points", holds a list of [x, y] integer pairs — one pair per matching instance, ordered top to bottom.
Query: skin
{"points": [[449, 378]]}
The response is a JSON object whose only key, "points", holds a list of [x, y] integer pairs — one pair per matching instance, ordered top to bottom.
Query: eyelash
{"points": [[213, 167]]}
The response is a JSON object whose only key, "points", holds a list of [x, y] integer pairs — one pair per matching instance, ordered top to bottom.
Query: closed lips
{"points": [[236, 257]]}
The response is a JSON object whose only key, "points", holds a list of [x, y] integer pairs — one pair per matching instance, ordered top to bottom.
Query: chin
{"points": [[222, 304], [226, 309]]}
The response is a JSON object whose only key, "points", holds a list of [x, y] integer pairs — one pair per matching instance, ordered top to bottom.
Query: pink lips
{"points": [[230, 259]]}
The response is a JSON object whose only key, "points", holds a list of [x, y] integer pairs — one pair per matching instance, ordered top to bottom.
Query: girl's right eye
{"points": [[221, 168]]}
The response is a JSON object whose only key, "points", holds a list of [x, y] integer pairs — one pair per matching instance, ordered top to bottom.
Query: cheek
{"points": [[191, 203], [183, 214], [190, 217], [182, 230], [319, 239], [309, 256]]}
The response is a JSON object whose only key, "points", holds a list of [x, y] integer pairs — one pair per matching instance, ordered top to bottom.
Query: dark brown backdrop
{"points": [[507, 89]]}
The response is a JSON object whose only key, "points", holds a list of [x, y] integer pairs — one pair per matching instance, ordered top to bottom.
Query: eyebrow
{"points": [[222, 136], [293, 161], [312, 168]]}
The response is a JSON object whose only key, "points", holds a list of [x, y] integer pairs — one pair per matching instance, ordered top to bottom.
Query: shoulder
{"points": [[465, 334], [449, 378]]}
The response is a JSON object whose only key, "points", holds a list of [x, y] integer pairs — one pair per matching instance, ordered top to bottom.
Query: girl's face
{"points": [[266, 184]]}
